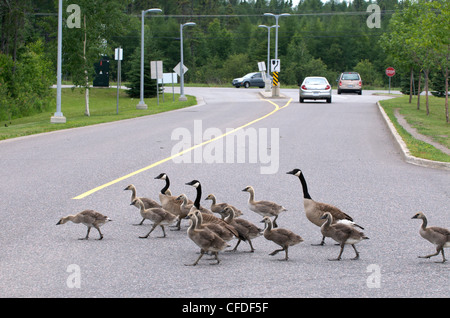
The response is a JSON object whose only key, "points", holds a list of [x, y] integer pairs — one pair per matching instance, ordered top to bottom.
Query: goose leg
{"points": [[141, 222], [275, 225], [153, 227], [177, 227], [164, 232], [87, 234], [101, 235], [321, 243], [251, 246], [235, 248], [439, 249], [276, 251], [286, 252], [340, 253], [357, 254], [443, 256], [216, 258], [196, 262]]}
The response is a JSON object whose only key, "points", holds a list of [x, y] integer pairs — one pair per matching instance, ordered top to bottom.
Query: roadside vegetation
{"points": [[103, 109], [433, 125]]}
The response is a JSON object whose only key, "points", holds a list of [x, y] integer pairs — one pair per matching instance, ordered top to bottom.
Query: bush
{"points": [[25, 83]]}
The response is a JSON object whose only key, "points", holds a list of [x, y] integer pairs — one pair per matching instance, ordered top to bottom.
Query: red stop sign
{"points": [[390, 71]]}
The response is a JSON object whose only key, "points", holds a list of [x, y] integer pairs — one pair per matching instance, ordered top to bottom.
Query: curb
{"points": [[405, 151]]}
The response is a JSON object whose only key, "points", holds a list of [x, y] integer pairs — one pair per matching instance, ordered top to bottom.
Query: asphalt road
{"points": [[347, 155]]}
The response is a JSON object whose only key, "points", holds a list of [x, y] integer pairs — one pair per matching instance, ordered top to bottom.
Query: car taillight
{"points": [[340, 83], [360, 83], [304, 87], [328, 87]]}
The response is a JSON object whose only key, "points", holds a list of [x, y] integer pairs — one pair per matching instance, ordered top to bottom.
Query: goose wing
{"points": [[337, 213]]}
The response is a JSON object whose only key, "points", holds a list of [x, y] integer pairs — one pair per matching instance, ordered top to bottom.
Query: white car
{"points": [[315, 88]]}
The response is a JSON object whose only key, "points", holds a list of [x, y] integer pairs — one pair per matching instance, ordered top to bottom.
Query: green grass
{"points": [[102, 105], [434, 125]]}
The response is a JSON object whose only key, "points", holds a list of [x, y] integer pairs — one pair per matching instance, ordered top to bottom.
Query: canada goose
{"points": [[197, 185], [168, 201], [148, 203], [220, 207], [264, 208], [315, 210], [158, 216], [90, 218], [246, 230], [341, 233], [436, 235], [282, 237], [207, 240]]}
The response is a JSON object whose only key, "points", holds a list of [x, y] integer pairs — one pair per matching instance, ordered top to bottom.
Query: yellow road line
{"points": [[85, 194]]}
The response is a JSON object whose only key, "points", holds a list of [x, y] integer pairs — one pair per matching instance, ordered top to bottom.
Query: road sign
{"points": [[118, 54], [275, 65], [261, 66], [156, 69], [178, 70], [390, 71], [275, 79]]}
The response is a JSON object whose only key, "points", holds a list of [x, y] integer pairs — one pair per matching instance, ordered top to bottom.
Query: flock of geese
{"points": [[212, 233]]}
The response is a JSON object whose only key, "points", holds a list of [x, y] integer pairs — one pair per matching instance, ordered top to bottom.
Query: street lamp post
{"points": [[268, 45], [276, 89], [182, 97], [142, 104], [58, 116]]}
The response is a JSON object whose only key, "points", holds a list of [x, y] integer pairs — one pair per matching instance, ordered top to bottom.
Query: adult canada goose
{"points": [[197, 185], [168, 201], [148, 203], [220, 207], [264, 208], [315, 210], [158, 216], [90, 218], [246, 230], [341, 233], [439, 236], [282, 237], [207, 240]]}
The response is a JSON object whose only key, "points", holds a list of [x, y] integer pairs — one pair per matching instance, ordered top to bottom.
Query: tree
{"points": [[91, 38]]}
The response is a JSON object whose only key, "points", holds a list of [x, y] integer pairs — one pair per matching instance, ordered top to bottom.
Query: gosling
{"points": [[159, 216], [90, 218], [342, 233], [439, 236], [282, 237]]}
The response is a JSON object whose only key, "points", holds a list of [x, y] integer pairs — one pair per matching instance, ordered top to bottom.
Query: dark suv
{"points": [[349, 82]]}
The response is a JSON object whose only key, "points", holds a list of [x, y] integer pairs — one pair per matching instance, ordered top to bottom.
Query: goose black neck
{"points": [[304, 186], [163, 190], [199, 195]]}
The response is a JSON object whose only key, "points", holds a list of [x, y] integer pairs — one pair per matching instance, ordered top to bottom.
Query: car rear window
{"points": [[352, 77], [315, 81]]}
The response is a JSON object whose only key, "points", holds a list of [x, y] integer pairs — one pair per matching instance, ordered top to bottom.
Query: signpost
{"points": [[118, 56], [390, 71], [156, 72]]}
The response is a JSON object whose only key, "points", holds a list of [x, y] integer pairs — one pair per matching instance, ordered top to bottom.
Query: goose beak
{"points": [[290, 172], [59, 222]]}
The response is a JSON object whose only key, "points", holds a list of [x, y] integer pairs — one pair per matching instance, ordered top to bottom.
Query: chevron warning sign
{"points": [[275, 79]]}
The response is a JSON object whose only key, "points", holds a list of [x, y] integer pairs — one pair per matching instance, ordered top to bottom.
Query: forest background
{"points": [[318, 38]]}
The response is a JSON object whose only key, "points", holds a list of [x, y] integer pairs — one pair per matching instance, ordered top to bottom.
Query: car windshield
{"points": [[250, 74], [352, 77], [315, 81]]}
